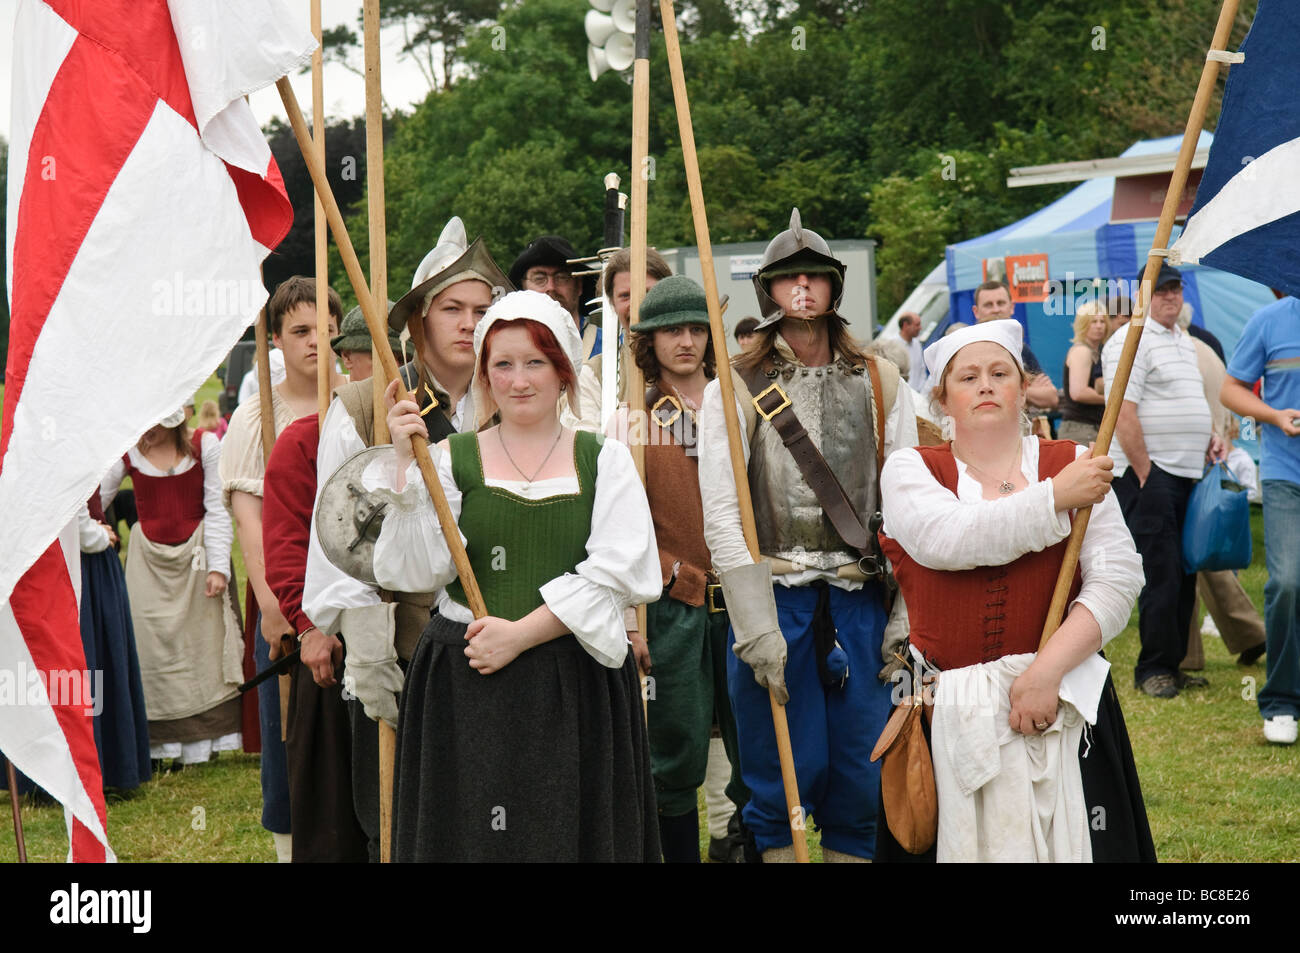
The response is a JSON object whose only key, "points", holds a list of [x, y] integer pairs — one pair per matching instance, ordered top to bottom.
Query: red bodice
{"points": [[979, 615]]}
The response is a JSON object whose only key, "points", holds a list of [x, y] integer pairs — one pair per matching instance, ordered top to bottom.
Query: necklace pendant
{"points": [[1005, 487]]}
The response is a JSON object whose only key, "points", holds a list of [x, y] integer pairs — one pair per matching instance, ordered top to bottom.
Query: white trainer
{"points": [[1280, 729]]}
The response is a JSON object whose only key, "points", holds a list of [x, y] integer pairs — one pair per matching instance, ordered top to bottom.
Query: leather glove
{"points": [[751, 606], [896, 632], [370, 669]]}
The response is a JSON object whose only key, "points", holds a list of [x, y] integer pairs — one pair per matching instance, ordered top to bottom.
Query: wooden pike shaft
{"points": [[1177, 182], [639, 197], [375, 199], [379, 288], [377, 323], [324, 372], [793, 804]]}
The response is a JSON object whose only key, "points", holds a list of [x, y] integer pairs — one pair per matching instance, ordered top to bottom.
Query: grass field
{"points": [[1214, 789]]}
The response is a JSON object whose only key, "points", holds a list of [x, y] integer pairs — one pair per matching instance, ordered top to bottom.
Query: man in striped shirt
{"points": [[1164, 437]]}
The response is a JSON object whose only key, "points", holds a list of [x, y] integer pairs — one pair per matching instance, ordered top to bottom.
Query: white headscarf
{"points": [[533, 306], [1005, 331]]}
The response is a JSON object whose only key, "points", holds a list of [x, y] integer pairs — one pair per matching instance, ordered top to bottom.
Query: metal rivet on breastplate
{"points": [[805, 372]]}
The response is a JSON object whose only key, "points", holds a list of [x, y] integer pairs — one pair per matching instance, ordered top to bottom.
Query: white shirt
{"points": [[916, 362], [248, 386], [1167, 387], [218, 531], [722, 532], [948, 533], [621, 568]]}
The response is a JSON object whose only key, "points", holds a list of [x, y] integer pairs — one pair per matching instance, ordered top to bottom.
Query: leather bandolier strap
{"points": [[774, 406]]}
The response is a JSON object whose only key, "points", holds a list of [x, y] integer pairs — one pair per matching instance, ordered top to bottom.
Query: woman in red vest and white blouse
{"points": [[1032, 760]]}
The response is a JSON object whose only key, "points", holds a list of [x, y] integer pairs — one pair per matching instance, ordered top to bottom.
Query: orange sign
{"points": [[1027, 276]]}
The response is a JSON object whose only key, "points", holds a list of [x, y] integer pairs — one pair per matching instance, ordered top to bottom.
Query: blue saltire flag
{"points": [[1246, 218]]}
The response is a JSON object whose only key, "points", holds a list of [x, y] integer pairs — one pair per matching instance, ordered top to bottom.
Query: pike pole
{"points": [[637, 238], [379, 288], [793, 804]]}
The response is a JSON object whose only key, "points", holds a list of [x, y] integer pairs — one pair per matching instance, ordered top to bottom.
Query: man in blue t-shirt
{"points": [[1270, 347]]}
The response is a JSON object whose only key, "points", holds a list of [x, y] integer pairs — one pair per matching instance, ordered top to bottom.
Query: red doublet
{"points": [[289, 493], [170, 507], [979, 615]]}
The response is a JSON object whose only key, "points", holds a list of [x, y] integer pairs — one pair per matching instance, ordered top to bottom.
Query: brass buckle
{"points": [[785, 401], [677, 410], [711, 591]]}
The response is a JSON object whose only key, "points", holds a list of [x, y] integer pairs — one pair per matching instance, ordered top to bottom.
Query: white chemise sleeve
{"points": [[111, 483], [218, 530], [722, 532], [944, 533], [92, 535], [410, 553], [622, 564]]}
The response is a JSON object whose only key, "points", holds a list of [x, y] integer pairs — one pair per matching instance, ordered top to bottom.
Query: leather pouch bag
{"points": [[907, 777]]}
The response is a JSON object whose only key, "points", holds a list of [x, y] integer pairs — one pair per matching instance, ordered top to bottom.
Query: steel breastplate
{"points": [[833, 404]]}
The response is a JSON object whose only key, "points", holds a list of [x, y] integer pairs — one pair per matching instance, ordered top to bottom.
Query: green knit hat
{"points": [[673, 301], [355, 336]]}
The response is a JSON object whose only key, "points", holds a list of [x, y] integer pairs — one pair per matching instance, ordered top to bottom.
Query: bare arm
{"points": [[1079, 362], [1042, 393], [1240, 399], [1129, 431], [247, 510]]}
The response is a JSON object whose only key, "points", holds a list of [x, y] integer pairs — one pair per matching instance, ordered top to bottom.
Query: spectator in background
{"points": [[992, 303], [746, 331], [909, 332], [1270, 346], [1082, 379], [210, 419], [1164, 436], [1231, 611]]}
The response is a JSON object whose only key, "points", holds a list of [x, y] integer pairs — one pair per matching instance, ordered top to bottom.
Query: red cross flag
{"points": [[142, 199]]}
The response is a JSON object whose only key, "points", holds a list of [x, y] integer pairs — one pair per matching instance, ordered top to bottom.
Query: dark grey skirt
{"points": [[545, 760]]}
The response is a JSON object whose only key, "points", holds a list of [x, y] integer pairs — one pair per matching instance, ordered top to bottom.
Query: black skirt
{"points": [[545, 760], [1117, 816]]}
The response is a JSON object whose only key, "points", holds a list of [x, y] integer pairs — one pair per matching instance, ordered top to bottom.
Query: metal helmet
{"points": [[795, 246], [348, 518]]}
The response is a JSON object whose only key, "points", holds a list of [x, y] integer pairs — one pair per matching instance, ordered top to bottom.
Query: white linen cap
{"points": [[532, 306], [1005, 331]]}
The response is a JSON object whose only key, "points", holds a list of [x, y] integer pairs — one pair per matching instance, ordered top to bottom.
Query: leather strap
{"points": [[768, 399], [668, 412], [879, 414]]}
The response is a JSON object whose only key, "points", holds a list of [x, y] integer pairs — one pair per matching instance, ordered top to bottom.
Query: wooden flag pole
{"points": [[1177, 182], [379, 288], [377, 323], [324, 373], [786, 753], [19, 841]]}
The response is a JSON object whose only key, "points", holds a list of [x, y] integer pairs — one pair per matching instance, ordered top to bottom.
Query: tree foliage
{"points": [[850, 109]]}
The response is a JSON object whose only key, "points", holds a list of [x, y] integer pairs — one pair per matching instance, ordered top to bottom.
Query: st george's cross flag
{"points": [[142, 198], [1246, 218]]}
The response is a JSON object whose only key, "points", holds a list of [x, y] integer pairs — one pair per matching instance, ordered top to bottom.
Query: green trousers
{"points": [[688, 660]]}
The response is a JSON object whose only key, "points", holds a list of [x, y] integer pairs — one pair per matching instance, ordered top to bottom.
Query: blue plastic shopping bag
{"points": [[1216, 532]]}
